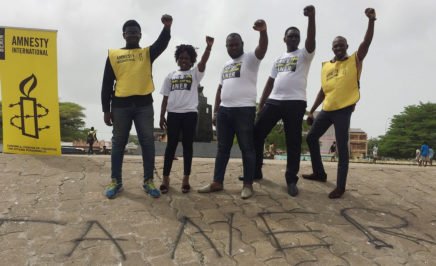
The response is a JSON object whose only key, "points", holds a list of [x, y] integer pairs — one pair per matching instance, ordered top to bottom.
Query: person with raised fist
{"points": [[339, 94]]}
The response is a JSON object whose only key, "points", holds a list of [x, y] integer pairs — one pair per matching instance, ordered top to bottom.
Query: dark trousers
{"points": [[292, 113], [123, 117], [237, 121], [341, 121], [177, 123], [90, 147]]}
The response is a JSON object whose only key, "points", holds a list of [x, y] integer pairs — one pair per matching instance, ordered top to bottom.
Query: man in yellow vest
{"points": [[339, 94], [126, 98]]}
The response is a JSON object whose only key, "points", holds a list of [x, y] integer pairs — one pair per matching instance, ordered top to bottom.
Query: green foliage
{"points": [[71, 121], [409, 130], [277, 136], [134, 139]]}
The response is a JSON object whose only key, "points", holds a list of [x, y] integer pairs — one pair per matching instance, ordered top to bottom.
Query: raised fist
{"points": [[309, 11], [370, 13], [167, 20], [259, 25], [209, 41]]}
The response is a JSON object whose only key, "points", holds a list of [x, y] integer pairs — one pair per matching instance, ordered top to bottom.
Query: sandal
{"points": [[164, 187], [186, 188]]}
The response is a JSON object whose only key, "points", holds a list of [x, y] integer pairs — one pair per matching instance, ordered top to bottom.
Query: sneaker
{"points": [[315, 177], [212, 187], [149, 188], [113, 189], [293, 189], [247, 192], [336, 193]]}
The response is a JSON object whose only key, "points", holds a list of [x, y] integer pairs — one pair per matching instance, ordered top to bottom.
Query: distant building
{"points": [[358, 143]]}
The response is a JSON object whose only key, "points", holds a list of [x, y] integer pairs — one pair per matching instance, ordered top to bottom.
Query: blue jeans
{"points": [[291, 112], [122, 119], [237, 121], [341, 121]]}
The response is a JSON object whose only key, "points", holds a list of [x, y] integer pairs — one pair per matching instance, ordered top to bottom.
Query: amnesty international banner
{"points": [[28, 81]]}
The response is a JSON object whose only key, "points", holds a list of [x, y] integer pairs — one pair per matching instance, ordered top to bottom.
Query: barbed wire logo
{"points": [[29, 107]]}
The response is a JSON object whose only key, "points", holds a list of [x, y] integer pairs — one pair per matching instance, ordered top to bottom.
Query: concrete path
{"points": [[53, 212]]}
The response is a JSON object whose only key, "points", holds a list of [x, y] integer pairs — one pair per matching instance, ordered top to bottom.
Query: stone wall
{"points": [[201, 149]]}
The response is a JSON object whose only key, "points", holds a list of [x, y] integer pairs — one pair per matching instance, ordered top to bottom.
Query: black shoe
{"points": [[315, 177], [241, 178], [292, 189], [336, 193]]}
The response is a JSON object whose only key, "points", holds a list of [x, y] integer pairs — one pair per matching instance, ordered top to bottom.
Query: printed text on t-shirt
{"points": [[288, 64], [232, 71], [181, 82]]}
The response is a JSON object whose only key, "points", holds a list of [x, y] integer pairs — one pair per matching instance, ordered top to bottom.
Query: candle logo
{"points": [[30, 110]]}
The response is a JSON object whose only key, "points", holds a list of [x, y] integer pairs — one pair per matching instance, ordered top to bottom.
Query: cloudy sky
{"points": [[398, 70]]}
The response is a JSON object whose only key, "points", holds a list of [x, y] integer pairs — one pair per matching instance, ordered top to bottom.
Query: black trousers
{"points": [[292, 113], [341, 121], [185, 124], [90, 147]]}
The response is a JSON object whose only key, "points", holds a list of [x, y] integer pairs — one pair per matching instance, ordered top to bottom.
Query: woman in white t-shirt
{"points": [[181, 101]]}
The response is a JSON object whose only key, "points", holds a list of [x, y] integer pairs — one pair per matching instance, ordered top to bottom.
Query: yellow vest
{"points": [[132, 68], [340, 83]]}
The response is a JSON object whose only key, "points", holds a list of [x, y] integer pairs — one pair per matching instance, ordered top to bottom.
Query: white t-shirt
{"points": [[290, 73], [238, 81], [181, 87]]}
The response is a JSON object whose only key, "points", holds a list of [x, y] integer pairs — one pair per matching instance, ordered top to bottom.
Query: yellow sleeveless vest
{"points": [[132, 68], [340, 83]]}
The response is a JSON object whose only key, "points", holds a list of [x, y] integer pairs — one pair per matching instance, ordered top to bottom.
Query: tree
{"points": [[71, 121], [409, 130], [134, 139]]}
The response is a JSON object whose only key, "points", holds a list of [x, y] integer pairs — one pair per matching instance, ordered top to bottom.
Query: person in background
{"points": [[90, 139], [333, 151], [375, 153], [424, 155], [418, 156]]}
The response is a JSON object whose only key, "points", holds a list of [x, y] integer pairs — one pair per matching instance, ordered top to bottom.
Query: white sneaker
{"points": [[247, 192]]}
